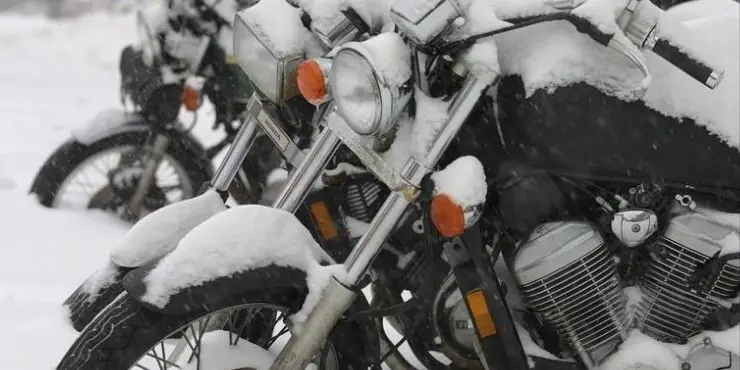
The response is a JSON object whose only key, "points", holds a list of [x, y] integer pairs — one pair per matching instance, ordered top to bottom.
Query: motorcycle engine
{"points": [[569, 279], [675, 305]]}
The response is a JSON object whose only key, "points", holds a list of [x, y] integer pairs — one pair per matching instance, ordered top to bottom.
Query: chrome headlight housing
{"points": [[423, 21], [150, 48], [269, 55], [365, 98]]}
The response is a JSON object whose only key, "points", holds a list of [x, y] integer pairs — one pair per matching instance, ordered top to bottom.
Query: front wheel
{"points": [[104, 175], [240, 335]]}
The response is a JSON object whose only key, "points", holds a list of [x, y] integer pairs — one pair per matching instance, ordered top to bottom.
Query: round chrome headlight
{"points": [[356, 91], [366, 101]]}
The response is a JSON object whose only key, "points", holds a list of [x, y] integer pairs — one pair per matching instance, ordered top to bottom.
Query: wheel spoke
{"points": [[169, 355]]}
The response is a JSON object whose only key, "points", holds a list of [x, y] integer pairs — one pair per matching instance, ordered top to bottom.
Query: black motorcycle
{"points": [[510, 242]]}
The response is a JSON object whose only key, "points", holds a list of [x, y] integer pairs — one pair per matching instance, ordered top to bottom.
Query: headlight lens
{"points": [[366, 83], [356, 91]]}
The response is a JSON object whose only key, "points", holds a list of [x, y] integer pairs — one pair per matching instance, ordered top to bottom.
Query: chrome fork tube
{"points": [[235, 156], [305, 175], [369, 245], [338, 296]]}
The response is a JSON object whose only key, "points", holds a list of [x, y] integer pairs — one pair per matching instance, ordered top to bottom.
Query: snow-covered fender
{"points": [[159, 232], [236, 254]]}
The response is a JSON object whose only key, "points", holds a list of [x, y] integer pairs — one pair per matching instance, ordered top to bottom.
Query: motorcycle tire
{"points": [[70, 155], [92, 296], [127, 330]]}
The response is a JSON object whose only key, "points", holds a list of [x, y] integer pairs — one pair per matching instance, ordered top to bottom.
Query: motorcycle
{"points": [[131, 163], [245, 179], [546, 245]]}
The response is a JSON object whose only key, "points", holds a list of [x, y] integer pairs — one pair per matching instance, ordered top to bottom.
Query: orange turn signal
{"points": [[311, 82], [190, 98], [447, 216]]}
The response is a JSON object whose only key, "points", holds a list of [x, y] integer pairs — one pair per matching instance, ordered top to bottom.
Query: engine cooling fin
{"points": [[569, 279], [673, 309]]}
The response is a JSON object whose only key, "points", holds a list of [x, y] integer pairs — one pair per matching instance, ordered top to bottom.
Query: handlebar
{"points": [[647, 27], [684, 60]]}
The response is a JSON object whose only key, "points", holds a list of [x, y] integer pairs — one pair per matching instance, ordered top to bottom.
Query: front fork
{"points": [[161, 142], [338, 296]]}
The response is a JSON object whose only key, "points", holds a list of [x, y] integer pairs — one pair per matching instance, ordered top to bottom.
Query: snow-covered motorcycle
{"points": [[133, 162], [244, 176], [535, 215]]}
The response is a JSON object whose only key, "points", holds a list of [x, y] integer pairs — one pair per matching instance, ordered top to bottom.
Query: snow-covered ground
{"points": [[53, 77]]}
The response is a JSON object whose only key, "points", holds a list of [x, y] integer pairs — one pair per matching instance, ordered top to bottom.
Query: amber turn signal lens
{"points": [[311, 82], [190, 98], [447, 217], [481, 315]]}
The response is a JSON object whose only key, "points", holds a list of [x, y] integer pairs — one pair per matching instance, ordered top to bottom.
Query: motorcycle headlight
{"points": [[423, 21], [268, 46], [150, 48], [365, 98]]}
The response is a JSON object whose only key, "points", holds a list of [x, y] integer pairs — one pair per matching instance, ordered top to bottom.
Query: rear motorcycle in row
{"points": [[131, 163], [539, 213]]}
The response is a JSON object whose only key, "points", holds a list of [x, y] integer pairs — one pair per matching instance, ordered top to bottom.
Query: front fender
{"points": [[213, 293], [353, 331]]}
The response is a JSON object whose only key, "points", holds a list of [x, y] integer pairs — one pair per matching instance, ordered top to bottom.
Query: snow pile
{"points": [[513, 9], [326, 13], [602, 14], [280, 24], [716, 37], [552, 55], [390, 57], [482, 58], [431, 116], [464, 181], [159, 232], [238, 239], [99, 280], [640, 351], [219, 352]]}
